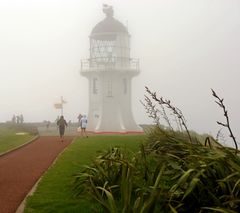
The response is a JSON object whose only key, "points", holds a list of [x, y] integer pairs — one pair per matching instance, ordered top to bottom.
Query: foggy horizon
{"points": [[185, 48]]}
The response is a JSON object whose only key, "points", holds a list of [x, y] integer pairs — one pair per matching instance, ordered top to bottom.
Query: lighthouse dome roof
{"points": [[109, 25]]}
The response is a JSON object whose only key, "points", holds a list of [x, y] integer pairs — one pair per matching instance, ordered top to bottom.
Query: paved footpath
{"points": [[21, 169]]}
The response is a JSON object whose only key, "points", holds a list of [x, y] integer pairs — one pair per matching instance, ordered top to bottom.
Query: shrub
{"points": [[198, 177]]}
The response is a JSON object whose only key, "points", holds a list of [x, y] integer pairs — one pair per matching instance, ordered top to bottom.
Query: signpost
{"points": [[60, 105]]}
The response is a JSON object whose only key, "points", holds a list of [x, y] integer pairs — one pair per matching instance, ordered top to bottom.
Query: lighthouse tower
{"points": [[109, 71]]}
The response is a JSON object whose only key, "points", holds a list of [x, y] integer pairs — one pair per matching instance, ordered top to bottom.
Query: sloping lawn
{"points": [[9, 139], [54, 192]]}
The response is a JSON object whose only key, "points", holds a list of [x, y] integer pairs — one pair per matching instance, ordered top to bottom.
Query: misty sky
{"points": [[185, 48]]}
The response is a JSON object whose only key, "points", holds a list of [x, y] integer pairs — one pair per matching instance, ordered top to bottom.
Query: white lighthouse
{"points": [[109, 71]]}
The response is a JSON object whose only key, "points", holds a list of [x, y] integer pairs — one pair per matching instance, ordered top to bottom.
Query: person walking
{"points": [[14, 119], [79, 119], [48, 124], [83, 125], [61, 126]]}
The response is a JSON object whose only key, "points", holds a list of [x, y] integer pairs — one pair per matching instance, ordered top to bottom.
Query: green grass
{"points": [[9, 139], [54, 192]]}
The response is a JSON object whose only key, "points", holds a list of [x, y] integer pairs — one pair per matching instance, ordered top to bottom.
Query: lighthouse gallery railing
{"points": [[106, 63]]}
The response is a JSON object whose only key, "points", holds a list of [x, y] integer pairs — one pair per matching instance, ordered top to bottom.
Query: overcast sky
{"points": [[185, 48]]}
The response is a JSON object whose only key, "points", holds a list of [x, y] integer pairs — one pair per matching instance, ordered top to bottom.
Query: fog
{"points": [[185, 48]]}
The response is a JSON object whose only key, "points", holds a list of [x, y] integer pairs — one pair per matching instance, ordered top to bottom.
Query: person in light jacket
{"points": [[83, 125]]}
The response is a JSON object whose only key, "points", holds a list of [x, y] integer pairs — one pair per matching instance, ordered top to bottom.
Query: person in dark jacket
{"points": [[61, 126]]}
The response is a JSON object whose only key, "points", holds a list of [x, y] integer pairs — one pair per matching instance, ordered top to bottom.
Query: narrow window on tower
{"points": [[124, 86], [95, 89], [109, 89]]}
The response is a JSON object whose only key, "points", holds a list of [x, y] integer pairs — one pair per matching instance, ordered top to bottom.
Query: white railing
{"points": [[106, 63]]}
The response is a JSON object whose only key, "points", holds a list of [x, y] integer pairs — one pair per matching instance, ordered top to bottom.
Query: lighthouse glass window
{"points": [[103, 51], [124, 86], [109, 88], [95, 89]]}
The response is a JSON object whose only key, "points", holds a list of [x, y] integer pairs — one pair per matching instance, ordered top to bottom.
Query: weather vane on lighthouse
{"points": [[108, 10], [109, 70]]}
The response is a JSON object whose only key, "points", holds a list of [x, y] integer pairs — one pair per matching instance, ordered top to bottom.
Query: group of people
{"points": [[17, 119], [62, 124]]}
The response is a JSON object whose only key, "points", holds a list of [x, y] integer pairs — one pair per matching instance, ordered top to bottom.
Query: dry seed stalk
{"points": [[219, 101], [177, 112]]}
